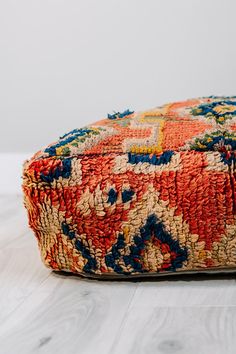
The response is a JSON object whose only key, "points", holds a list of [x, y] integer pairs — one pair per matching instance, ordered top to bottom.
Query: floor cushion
{"points": [[139, 193]]}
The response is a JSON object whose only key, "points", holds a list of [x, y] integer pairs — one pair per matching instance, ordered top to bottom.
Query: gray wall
{"points": [[66, 63]]}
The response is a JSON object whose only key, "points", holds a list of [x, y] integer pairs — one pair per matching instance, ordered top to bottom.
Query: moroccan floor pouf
{"points": [[139, 194]]}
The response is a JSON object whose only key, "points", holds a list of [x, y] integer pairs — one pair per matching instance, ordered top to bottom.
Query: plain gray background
{"points": [[66, 63]]}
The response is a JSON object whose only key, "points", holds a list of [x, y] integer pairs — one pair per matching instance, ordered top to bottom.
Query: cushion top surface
{"points": [[202, 124]]}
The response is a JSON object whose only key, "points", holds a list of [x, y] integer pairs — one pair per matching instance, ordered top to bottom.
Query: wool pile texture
{"points": [[139, 193]]}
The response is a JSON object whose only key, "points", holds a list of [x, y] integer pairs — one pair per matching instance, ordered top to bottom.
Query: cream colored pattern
{"points": [[151, 141], [215, 162], [49, 225], [224, 252]]}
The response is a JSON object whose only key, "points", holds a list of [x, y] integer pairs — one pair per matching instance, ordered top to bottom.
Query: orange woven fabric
{"points": [[139, 193]]}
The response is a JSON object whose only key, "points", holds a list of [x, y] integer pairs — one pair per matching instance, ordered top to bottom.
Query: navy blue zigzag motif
{"points": [[152, 228], [91, 264]]}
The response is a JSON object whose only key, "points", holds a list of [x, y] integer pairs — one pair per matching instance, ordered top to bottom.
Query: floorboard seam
{"points": [[112, 349]]}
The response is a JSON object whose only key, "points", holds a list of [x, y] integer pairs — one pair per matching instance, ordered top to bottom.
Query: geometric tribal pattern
{"points": [[139, 193]]}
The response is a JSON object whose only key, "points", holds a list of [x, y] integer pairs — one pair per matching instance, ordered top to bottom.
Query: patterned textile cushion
{"points": [[139, 194]]}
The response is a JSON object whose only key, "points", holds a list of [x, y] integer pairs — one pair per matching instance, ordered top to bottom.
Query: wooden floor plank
{"points": [[9, 204], [13, 219], [21, 272], [200, 290], [68, 315], [181, 330]]}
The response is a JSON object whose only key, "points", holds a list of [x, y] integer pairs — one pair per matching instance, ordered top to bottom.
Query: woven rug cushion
{"points": [[139, 193]]}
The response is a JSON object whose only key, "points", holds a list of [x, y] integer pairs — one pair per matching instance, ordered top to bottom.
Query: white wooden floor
{"points": [[44, 312]]}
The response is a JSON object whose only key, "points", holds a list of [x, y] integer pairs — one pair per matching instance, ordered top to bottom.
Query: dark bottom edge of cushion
{"points": [[200, 273]]}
